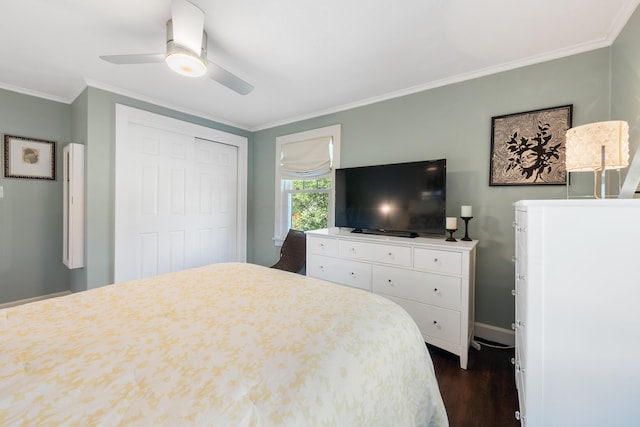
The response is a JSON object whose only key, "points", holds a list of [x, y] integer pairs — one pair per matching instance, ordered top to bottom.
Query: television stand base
{"points": [[392, 233]]}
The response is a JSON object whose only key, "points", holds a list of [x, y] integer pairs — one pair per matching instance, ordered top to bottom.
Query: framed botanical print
{"points": [[529, 148], [29, 158]]}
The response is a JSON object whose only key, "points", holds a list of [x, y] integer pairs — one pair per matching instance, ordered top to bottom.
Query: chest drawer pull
{"points": [[437, 291], [514, 292], [436, 324]]}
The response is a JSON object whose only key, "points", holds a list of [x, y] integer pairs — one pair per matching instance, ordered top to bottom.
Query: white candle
{"points": [[465, 212], [452, 223]]}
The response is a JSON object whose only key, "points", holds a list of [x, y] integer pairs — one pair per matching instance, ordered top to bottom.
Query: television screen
{"points": [[402, 198]]}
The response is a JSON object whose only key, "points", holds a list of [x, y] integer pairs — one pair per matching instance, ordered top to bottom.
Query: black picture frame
{"points": [[528, 148], [29, 158]]}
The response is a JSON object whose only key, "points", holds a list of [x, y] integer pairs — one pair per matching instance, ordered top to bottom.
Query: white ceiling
{"points": [[304, 57]]}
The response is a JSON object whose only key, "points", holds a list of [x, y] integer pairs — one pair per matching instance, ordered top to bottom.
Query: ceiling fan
{"points": [[186, 49]]}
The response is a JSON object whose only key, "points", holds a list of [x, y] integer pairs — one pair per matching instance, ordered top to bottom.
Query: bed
{"points": [[230, 344]]}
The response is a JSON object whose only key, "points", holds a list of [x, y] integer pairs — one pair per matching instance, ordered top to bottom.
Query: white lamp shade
{"points": [[584, 146]]}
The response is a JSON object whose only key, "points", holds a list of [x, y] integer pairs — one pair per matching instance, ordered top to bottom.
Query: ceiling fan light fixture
{"points": [[186, 63]]}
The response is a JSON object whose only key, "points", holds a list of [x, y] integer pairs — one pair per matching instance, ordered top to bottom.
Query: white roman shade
{"points": [[307, 159]]}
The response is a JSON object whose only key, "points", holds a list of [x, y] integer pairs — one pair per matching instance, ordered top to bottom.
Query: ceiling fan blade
{"points": [[188, 25], [134, 59], [228, 79]]}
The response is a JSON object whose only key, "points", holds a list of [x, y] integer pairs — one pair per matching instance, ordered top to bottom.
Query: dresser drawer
{"points": [[322, 246], [387, 254], [438, 261], [350, 273], [428, 288], [521, 311], [432, 321], [521, 344], [520, 375], [520, 386]]}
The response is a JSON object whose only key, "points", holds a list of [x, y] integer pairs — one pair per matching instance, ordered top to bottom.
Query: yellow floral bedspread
{"points": [[223, 345]]}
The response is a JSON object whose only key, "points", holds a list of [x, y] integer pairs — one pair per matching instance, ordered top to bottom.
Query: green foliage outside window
{"points": [[310, 207]]}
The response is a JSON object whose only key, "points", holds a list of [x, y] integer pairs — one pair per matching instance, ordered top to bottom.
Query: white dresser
{"points": [[433, 280], [577, 304]]}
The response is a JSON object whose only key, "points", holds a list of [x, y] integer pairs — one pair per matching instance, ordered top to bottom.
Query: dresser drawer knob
{"points": [[518, 228], [321, 245], [514, 259], [435, 260], [353, 275], [389, 282], [437, 291], [514, 292], [436, 324], [513, 326], [513, 360], [518, 416]]}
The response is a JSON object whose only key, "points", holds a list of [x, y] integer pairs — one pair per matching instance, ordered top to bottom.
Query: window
{"points": [[305, 173]]}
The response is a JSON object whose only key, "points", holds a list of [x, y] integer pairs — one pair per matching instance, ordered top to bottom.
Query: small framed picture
{"points": [[529, 148], [29, 158]]}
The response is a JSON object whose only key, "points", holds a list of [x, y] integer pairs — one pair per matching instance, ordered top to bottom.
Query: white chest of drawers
{"points": [[433, 280], [577, 306]]}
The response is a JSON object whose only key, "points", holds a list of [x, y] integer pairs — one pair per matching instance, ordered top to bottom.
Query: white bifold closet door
{"points": [[176, 202]]}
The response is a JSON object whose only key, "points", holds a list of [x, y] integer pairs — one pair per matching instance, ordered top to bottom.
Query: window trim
{"points": [[281, 200]]}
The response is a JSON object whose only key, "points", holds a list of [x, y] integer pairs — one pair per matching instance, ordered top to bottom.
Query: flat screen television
{"points": [[403, 199]]}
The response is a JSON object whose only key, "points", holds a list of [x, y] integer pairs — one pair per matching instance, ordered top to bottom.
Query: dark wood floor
{"points": [[482, 396]]}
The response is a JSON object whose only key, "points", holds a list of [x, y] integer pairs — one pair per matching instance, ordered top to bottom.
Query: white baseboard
{"points": [[27, 300], [495, 334]]}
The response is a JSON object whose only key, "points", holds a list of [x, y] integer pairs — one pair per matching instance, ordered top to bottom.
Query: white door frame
{"points": [[126, 115]]}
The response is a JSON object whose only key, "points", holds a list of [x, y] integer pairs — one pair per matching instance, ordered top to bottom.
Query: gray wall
{"points": [[625, 79], [452, 122], [79, 135], [31, 209]]}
